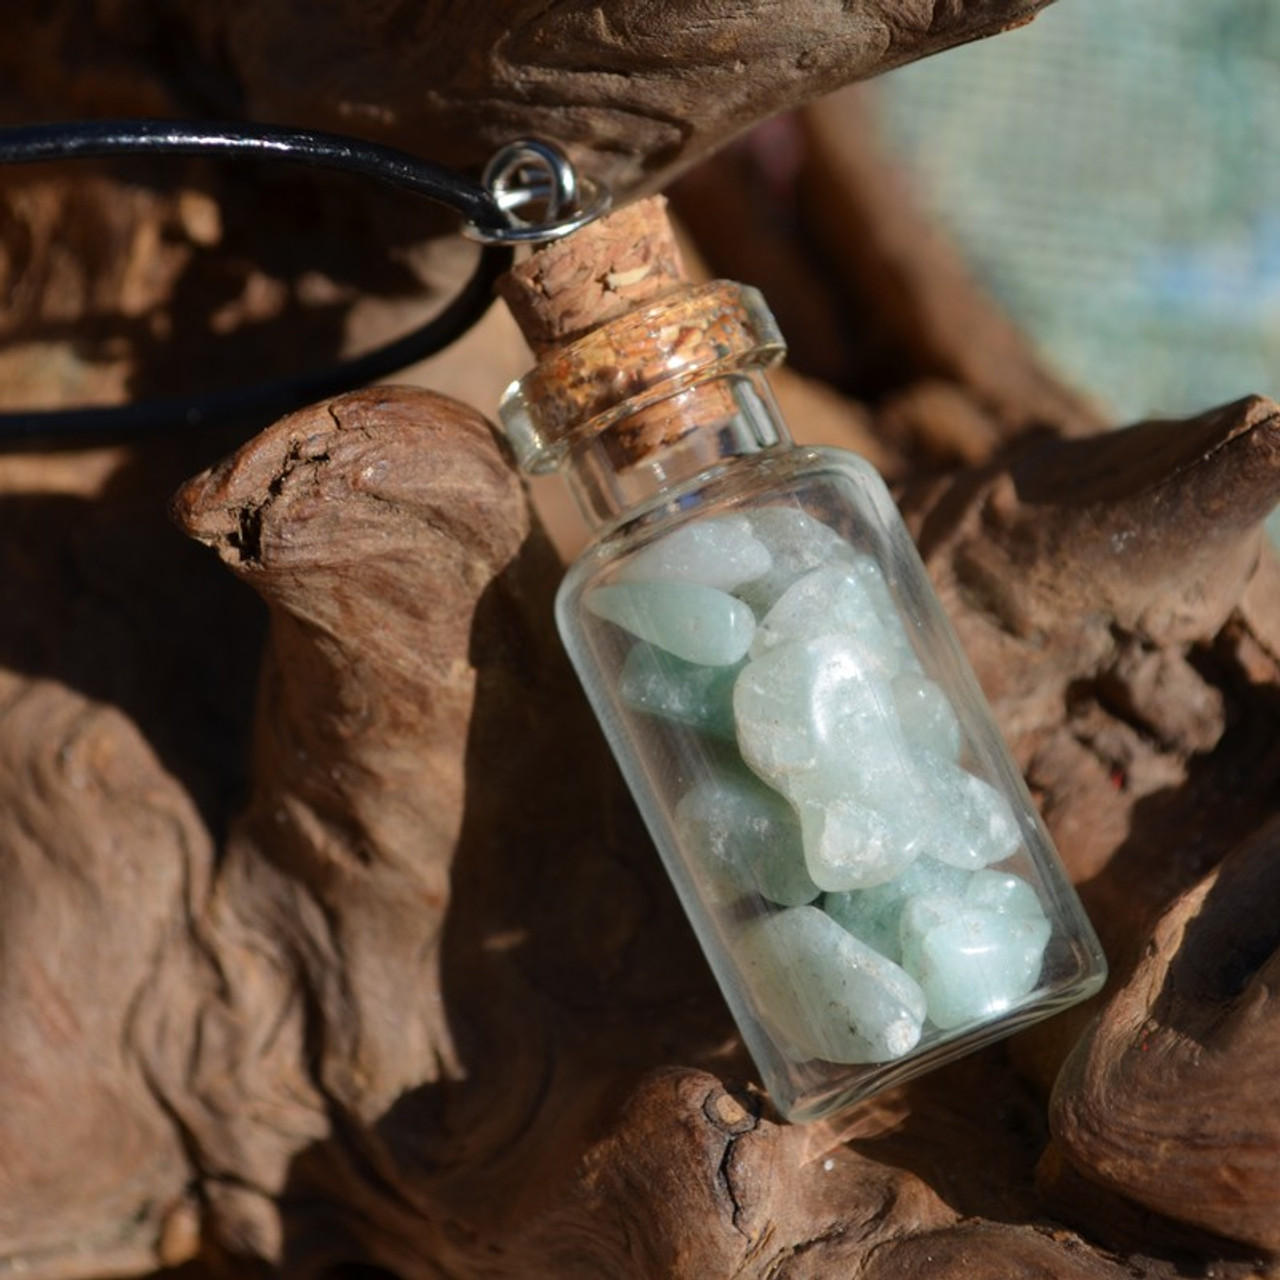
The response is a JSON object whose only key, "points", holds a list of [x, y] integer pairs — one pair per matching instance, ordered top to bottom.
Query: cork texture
{"points": [[567, 288]]}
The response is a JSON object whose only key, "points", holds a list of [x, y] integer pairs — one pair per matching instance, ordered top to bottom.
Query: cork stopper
{"points": [[611, 266], [630, 354]]}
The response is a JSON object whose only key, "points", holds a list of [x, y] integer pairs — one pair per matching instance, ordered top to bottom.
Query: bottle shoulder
{"points": [[811, 476]]}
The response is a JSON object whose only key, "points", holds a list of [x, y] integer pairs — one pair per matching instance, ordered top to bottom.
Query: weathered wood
{"points": [[646, 91], [190, 277], [1099, 586], [121, 726], [394, 978], [267, 1025], [1180, 1062], [561, 1089]]}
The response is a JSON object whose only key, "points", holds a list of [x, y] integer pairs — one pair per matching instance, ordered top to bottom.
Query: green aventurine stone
{"points": [[797, 544], [721, 552], [832, 600], [699, 624], [660, 684], [814, 713], [927, 717], [972, 823], [743, 838], [850, 845], [1003, 892], [875, 915], [971, 962], [825, 994]]}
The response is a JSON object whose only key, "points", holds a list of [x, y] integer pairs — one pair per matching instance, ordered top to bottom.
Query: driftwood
{"points": [[329, 941]]}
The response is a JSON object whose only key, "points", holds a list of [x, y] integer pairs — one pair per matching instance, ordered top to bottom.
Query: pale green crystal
{"points": [[797, 544], [720, 552], [872, 580], [832, 600], [699, 624], [659, 683], [834, 711], [926, 715], [814, 716], [818, 722], [972, 823], [743, 838], [850, 845], [1003, 892], [922, 914], [875, 915], [972, 963], [826, 994]]}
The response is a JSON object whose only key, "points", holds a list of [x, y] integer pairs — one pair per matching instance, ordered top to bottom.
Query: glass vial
{"points": [[857, 852]]}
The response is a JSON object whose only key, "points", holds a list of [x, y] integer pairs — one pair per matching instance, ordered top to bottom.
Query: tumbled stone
{"points": [[797, 544], [719, 552], [872, 580], [832, 600], [699, 624], [660, 684], [924, 711], [817, 712], [973, 825], [743, 838], [850, 845], [1003, 892], [922, 914], [875, 915], [972, 963], [824, 993]]}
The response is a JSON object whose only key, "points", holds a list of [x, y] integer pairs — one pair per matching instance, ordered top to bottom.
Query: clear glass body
{"points": [[854, 847]]}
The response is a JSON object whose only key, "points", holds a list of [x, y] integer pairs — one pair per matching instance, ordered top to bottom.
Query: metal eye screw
{"points": [[530, 172]]}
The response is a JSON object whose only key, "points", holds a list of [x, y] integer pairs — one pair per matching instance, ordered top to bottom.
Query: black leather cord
{"points": [[98, 139]]}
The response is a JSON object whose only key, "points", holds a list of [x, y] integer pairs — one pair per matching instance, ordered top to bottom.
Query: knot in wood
{"points": [[728, 1114]]}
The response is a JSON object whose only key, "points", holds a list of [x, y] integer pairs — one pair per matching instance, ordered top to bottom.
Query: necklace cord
{"points": [[485, 219]]}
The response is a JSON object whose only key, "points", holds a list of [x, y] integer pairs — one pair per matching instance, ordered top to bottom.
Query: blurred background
{"points": [[1112, 174]]}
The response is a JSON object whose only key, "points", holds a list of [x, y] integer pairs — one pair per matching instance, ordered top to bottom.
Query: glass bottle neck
{"points": [[642, 406], [688, 438]]}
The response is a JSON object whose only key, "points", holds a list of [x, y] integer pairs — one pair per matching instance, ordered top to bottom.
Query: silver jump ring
{"points": [[532, 172]]}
